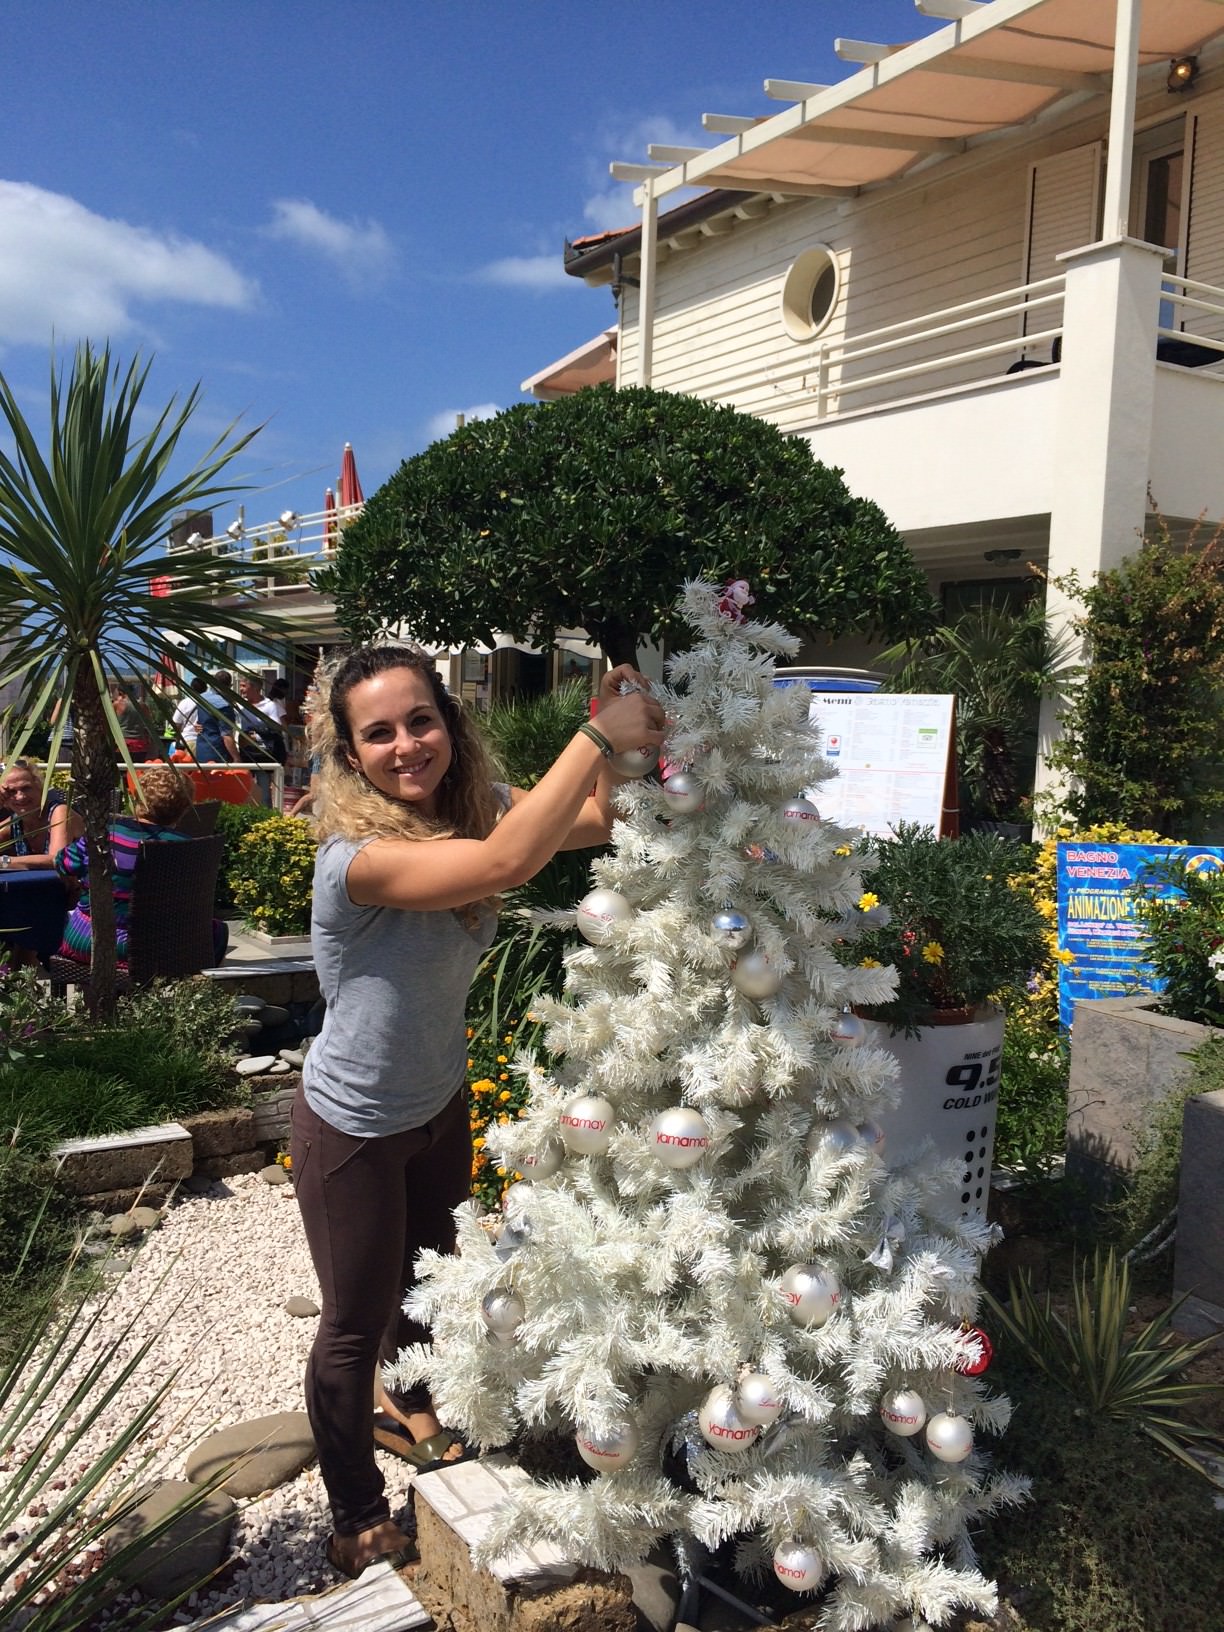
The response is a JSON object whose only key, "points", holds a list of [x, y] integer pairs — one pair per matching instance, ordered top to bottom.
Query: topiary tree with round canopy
{"points": [[589, 512]]}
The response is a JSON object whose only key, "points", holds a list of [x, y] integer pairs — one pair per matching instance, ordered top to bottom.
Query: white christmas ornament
{"points": [[635, 762], [683, 793], [799, 810], [597, 913], [731, 929], [755, 975], [849, 1029], [586, 1125], [872, 1135], [680, 1137], [835, 1138], [544, 1163], [517, 1196], [812, 1293], [503, 1310], [756, 1399], [903, 1412], [721, 1424], [949, 1437], [607, 1452], [799, 1566]]}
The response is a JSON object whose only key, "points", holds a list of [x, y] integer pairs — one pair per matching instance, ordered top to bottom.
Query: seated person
{"points": [[163, 795], [33, 829]]}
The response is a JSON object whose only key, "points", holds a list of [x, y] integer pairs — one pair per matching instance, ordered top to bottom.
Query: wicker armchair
{"points": [[200, 820], [174, 885]]}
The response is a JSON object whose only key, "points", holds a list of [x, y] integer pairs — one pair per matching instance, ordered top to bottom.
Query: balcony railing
{"points": [[1192, 314], [921, 353], [294, 552]]}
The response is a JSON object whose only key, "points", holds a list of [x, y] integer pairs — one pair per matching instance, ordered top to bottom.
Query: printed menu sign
{"points": [[891, 751]]}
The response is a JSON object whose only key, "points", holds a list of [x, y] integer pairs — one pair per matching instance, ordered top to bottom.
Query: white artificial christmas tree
{"points": [[712, 1279]]}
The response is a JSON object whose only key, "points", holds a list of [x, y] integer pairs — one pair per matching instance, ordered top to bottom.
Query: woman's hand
{"points": [[624, 674], [631, 721]]}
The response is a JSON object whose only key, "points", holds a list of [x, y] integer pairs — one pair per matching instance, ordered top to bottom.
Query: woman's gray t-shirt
{"points": [[393, 1046]]}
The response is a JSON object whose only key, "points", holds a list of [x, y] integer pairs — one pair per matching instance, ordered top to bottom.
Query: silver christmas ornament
{"points": [[635, 762], [683, 793], [802, 811], [597, 913], [731, 929], [756, 975], [849, 1029], [586, 1124], [872, 1135], [680, 1137], [836, 1138], [542, 1164], [812, 1292], [503, 1310], [756, 1399], [903, 1412], [721, 1424], [949, 1437], [608, 1451], [799, 1566]]}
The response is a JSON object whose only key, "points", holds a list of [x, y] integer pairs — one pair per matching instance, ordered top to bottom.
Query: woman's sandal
{"points": [[423, 1454], [397, 1557]]}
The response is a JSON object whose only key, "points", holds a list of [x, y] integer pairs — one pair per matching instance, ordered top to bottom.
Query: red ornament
{"points": [[967, 1365]]}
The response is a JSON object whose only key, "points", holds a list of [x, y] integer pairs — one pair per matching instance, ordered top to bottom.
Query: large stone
{"points": [[249, 1003], [274, 1015], [1125, 1059], [254, 1064], [271, 1110], [221, 1133], [124, 1161], [274, 1173], [146, 1218], [1198, 1266], [301, 1308], [264, 1453], [185, 1553], [533, 1590]]}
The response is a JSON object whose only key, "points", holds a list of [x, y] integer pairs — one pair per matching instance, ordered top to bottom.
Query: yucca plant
{"points": [[82, 530], [1089, 1355], [66, 1570]]}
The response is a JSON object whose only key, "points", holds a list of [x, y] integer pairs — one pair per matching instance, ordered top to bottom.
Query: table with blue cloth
{"points": [[33, 911]]}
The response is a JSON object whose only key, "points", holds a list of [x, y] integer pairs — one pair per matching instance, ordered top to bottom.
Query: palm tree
{"points": [[81, 534], [1000, 662]]}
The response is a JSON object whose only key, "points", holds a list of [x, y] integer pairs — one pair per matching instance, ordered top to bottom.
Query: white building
{"points": [[983, 274]]}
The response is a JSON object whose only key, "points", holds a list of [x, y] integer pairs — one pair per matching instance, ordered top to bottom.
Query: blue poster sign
{"points": [[1096, 917]]}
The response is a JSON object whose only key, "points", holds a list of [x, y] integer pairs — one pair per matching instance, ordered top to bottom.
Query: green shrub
{"points": [[234, 822], [272, 875], [1185, 934], [198, 1014], [1032, 1125]]}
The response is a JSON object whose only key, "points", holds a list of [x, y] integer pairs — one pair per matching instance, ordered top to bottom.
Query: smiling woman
{"points": [[417, 844]]}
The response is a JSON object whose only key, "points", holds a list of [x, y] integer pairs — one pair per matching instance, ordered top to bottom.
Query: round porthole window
{"points": [[810, 293]]}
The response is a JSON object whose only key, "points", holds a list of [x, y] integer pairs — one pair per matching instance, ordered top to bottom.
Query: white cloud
{"points": [[611, 204], [361, 249], [66, 269], [537, 273], [443, 424]]}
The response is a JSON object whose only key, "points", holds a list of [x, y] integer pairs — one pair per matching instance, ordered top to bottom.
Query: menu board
{"points": [[893, 753]]}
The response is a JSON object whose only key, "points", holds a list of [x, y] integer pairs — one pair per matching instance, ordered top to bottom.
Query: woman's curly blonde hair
{"points": [[162, 793], [349, 806]]}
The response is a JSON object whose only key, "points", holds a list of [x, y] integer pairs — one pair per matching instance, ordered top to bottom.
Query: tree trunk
{"points": [[618, 641], [93, 782]]}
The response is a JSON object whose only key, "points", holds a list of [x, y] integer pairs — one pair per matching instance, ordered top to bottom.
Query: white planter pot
{"points": [[949, 1095]]}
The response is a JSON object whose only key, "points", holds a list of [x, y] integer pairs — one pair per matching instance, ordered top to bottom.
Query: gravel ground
{"points": [[211, 1282]]}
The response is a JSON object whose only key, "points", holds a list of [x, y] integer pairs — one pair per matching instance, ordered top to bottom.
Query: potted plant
{"points": [[946, 916]]}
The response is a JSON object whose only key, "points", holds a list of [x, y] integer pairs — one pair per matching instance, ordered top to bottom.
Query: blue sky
{"points": [[347, 219]]}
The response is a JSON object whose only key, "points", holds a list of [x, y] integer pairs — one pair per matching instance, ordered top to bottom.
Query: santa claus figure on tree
{"points": [[710, 1278]]}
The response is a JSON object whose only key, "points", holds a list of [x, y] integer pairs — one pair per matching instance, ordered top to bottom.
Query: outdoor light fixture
{"points": [[1183, 71], [289, 519], [235, 530], [194, 540], [1001, 555]]}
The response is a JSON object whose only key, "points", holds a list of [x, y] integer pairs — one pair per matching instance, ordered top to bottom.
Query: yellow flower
{"points": [[842, 850], [868, 900], [932, 952], [1064, 956], [870, 963], [470, 1034], [501, 1059], [503, 1076], [503, 1096], [478, 1144]]}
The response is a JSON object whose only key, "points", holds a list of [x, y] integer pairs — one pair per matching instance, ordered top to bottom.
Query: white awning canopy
{"points": [[1001, 66], [592, 363]]}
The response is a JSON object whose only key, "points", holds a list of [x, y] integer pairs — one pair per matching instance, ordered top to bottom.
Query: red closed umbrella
{"points": [[350, 482]]}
